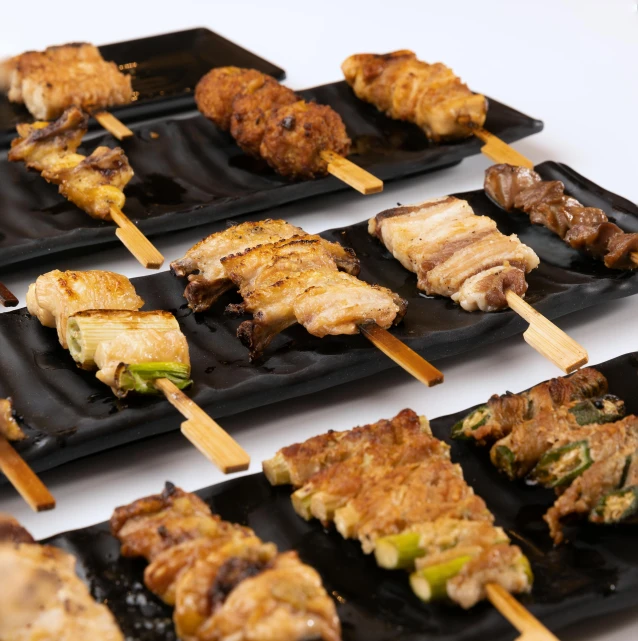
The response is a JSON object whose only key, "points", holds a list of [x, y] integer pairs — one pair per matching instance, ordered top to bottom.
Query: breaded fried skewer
{"points": [[94, 183]]}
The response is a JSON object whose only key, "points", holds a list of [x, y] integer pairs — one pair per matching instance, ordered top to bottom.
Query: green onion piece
{"points": [[140, 377], [474, 420], [561, 465], [616, 506], [398, 551], [430, 583]]}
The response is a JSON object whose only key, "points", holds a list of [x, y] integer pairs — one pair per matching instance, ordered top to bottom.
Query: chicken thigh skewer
{"points": [[50, 81], [430, 96], [298, 139], [94, 183], [458, 254], [287, 276], [97, 319], [19, 474]]}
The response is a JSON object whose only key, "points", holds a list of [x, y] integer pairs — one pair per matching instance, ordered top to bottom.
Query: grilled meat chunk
{"points": [[405, 88], [545, 202], [456, 253]]}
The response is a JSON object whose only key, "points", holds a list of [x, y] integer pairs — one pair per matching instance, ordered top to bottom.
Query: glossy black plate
{"points": [[165, 70], [189, 173], [74, 415], [595, 574]]}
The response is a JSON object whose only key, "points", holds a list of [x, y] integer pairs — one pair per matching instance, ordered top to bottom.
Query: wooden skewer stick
{"points": [[113, 125], [498, 151], [351, 174], [135, 241], [7, 299], [547, 339], [401, 354], [204, 433], [23, 478], [523, 620]]}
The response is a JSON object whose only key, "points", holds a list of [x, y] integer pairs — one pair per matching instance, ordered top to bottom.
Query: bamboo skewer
{"points": [[116, 128], [498, 151], [351, 174], [135, 241], [7, 299], [546, 338], [401, 354], [204, 433], [23, 479], [521, 618]]}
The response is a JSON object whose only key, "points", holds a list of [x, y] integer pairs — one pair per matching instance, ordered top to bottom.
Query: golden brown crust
{"points": [[12, 532]]}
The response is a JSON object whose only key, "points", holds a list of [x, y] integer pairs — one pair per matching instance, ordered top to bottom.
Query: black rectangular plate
{"points": [[165, 70], [193, 173], [70, 414], [596, 574]]}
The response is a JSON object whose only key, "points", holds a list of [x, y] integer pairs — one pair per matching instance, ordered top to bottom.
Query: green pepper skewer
{"points": [[140, 377], [471, 422], [561, 465], [617, 506]]}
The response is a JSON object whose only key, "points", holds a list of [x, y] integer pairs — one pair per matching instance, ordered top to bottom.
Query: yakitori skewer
{"points": [[49, 82], [298, 139], [94, 183], [519, 187], [458, 254], [287, 276], [7, 299], [97, 317], [19, 474], [392, 486]]}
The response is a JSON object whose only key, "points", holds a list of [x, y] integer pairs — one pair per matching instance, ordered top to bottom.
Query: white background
{"points": [[571, 63]]}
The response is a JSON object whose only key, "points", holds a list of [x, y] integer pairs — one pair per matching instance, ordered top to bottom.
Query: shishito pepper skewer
{"points": [[561, 465], [616, 507]]}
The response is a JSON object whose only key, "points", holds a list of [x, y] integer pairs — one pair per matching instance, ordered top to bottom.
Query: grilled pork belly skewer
{"points": [[50, 81], [430, 96], [298, 139], [94, 183], [545, 202], [458, 254], [307, 287], [7, 299], [97, 318], [19, 474], [393, 486], [222, 579], [41, 596]]}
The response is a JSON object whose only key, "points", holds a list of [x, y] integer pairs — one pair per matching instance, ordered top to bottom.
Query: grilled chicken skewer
{"points": [[62, 76], [430, 96], [298, 139], [94, 183], [545, 202], [458, 254], [287, 276], [97, 318], [392, 481], [222, 579], [41, 596]]}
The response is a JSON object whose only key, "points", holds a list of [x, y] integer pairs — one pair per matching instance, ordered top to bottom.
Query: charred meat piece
{"points": [[405, 88], [9, 427]]}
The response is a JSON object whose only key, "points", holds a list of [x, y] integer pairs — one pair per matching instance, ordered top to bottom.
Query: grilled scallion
{"points": [[140, 378], [430, 583]]}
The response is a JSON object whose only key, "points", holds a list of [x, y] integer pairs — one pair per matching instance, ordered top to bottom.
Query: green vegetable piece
{"points": [[140, 378], [605, 409], [474, 420], [505, 460], [561, 465], [617, 506], [398, 551], [430, 583]]}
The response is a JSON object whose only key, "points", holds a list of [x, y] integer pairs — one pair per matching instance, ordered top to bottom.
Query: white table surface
{"points": [[571, 63]]}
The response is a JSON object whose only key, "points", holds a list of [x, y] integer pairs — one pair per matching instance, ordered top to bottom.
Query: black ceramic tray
{"points": [[165, 70], [190, 173], [73, 414], [596, 574]]}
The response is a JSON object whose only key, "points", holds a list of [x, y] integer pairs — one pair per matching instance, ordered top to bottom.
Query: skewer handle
{"points": [[116, 128], [498, 151], [352, 174], [135, 241], [7, 299], [546, 338], [401, 354], [204, 433], [23, 478], [520, 617]]}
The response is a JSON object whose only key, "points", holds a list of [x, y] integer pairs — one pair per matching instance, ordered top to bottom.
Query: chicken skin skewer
{"points": [[270, 122], [545, 202], [393, 486], [222, 579], [41, 596]]}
